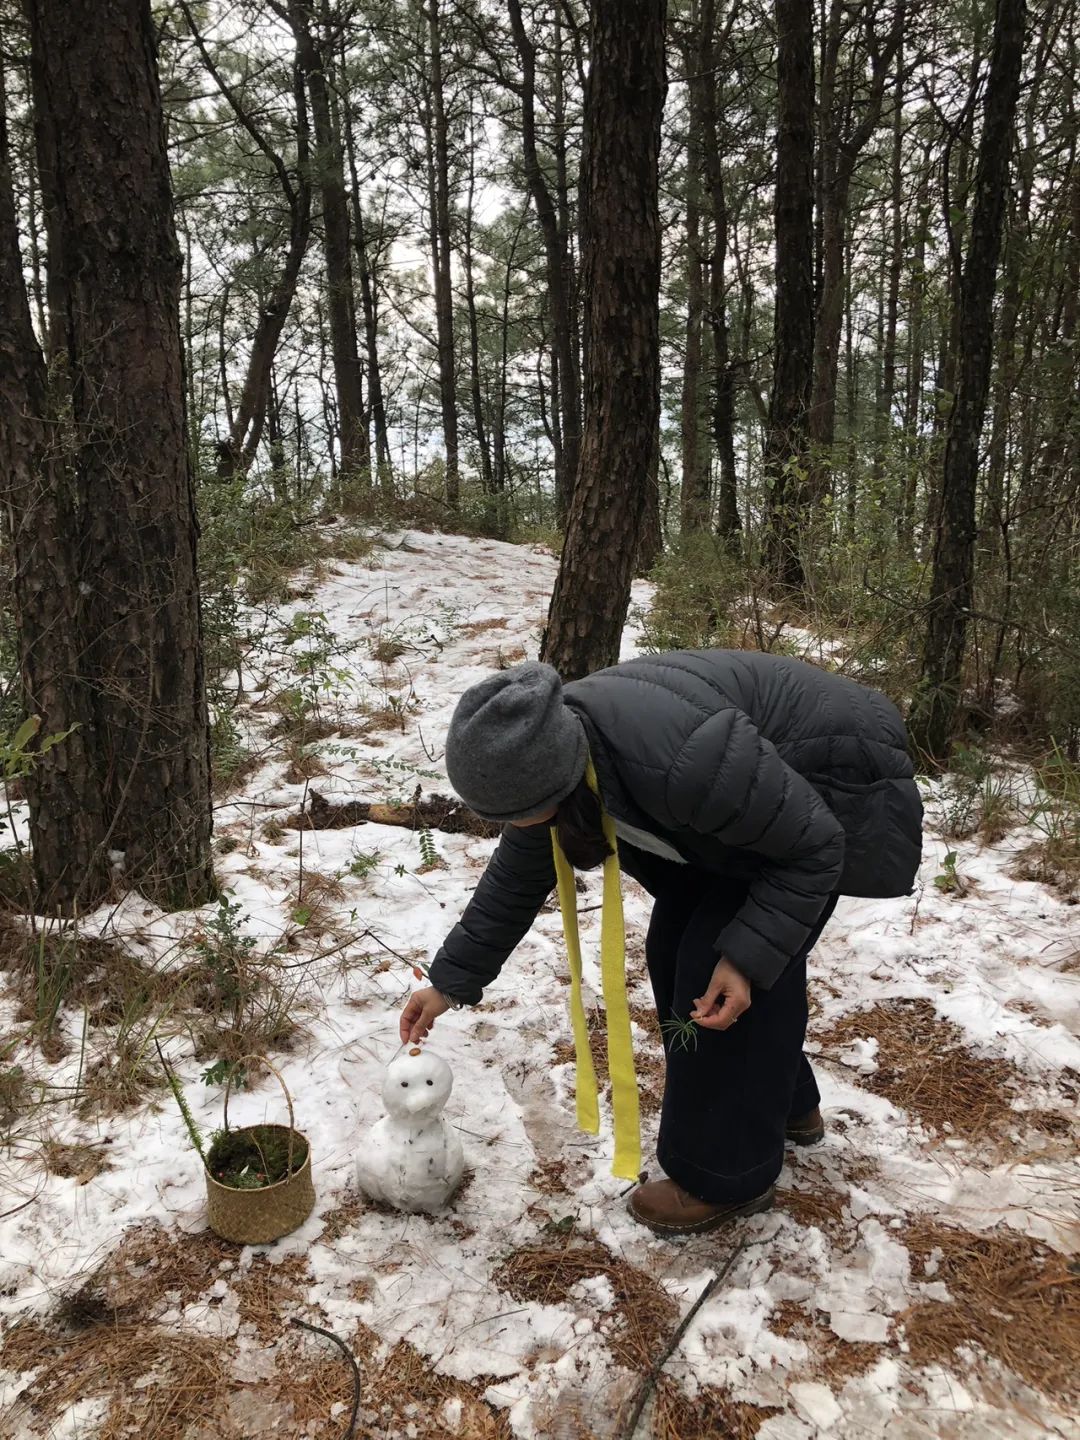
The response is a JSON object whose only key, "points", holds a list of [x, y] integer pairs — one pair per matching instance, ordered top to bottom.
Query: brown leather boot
{"points": [[806, 1129], [667, 1209]]}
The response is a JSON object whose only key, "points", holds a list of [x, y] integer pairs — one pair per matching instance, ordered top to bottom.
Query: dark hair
{"points": [[579, 828]]}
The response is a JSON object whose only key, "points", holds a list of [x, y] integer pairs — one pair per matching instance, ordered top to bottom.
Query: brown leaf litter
{"points": [[924, 1066], [545, 1274], [1010, 1297], [108, 1339]]}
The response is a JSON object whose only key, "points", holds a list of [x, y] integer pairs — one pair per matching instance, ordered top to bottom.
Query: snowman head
{"points": [[417, 1084]]}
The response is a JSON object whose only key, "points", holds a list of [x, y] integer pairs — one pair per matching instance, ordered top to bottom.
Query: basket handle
{"points": [[278, 1077]]}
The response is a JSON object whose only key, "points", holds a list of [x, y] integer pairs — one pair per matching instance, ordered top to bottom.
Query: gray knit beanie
{"points": [[514, 748]]}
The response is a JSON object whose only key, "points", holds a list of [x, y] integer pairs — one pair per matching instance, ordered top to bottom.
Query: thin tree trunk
{"points": [[624, 103], [841, 145], [328, 164], [558, 269], [444, 294], [916, 359], [476, 386], [887, 395], [376, 403], [238, 451], [786, 459], [695, 470], [728, 523], [127, 566], [936, 704]]}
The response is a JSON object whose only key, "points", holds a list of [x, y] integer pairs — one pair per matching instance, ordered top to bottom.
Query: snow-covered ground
{"points": [[808, 1334]]}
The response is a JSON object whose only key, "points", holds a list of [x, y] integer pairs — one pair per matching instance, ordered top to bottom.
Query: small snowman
{"points": [[412, 1159]]}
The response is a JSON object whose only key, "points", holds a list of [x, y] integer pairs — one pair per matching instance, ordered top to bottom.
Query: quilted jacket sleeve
{"points": [[729, 781], [519, 877]]}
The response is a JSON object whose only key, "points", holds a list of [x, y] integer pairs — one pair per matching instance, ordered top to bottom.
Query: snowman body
{"points": [[412, 1159]]}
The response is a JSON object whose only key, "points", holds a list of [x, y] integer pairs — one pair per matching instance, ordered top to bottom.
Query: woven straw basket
{"points": [[255, 1217]]}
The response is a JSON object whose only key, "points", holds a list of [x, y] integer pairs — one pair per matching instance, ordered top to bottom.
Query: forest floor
{"points": [[914, 1279]]}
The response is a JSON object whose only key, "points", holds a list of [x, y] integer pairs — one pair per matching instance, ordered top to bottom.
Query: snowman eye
{"points": [[431, 1082], [404, 1084]]}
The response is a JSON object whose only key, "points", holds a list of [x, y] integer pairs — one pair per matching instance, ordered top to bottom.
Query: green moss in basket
{"points": [[255, 1157]]}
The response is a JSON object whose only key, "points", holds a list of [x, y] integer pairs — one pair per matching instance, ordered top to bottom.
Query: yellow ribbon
{"points": [[624, 1094]]}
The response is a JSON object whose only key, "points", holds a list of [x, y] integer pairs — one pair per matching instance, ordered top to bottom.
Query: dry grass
{"points": [[387, 649], [304, 764], [1054, 862], [925, 1067], [74, 1162], [822, 1208], [341, 1219], [545, 1274], [1010, 1297], [107, 1338], [830, 1358], [710, 1415]]}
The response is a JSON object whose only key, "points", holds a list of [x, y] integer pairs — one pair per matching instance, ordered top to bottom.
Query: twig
{"points": [[645, 1389], [350, 1429]]}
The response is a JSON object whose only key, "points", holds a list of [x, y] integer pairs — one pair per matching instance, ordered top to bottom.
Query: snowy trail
{"points": [[807, 1336]]}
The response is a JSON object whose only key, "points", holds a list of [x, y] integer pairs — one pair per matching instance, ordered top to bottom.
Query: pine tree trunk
{"points": [[624, 103], [328, 164], [442, 249], [559, 270], [916, 359], [476, 387], [887, 395], [376, 404], [238, 451], [786, 459], [694, 508], [41, 509], [728, 523], [114, 563], [936, 705]]}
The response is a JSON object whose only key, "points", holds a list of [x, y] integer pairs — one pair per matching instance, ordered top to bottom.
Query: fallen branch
{"points": [[430, 812], [647, 1385]]}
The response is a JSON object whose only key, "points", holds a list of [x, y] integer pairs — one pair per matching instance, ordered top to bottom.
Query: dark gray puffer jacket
{"points": [[764, 770]]}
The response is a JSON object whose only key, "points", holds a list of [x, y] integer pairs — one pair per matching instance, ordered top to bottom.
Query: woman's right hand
{"points": [[420, 1014]]}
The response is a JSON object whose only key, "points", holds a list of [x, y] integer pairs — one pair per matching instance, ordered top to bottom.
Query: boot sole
{"points": [[805, 1137], [751, 1207]]}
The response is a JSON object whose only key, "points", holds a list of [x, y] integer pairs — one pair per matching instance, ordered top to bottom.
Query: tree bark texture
{"points": [[624, 101], [111, 635], [934, 712]]}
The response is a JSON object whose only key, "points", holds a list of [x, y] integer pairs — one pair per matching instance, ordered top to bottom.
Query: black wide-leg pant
{"points": [[729, 1093]]}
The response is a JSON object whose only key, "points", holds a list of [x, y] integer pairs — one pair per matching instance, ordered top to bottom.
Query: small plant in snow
{"points": [[950, 881]]}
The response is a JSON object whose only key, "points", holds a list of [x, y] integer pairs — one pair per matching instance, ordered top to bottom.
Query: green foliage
{"points": [[698, 585], [229, 756], [429, 855], [361, 866], [949, 881], [226, 951], [222, 1070], [184, 1108], [255, 1156]]}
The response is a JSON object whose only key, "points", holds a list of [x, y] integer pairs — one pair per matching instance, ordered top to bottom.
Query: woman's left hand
{"points": [[725, 1000]]}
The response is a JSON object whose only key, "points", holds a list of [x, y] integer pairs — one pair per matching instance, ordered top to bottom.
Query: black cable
{"points": [[350, 1429]]}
